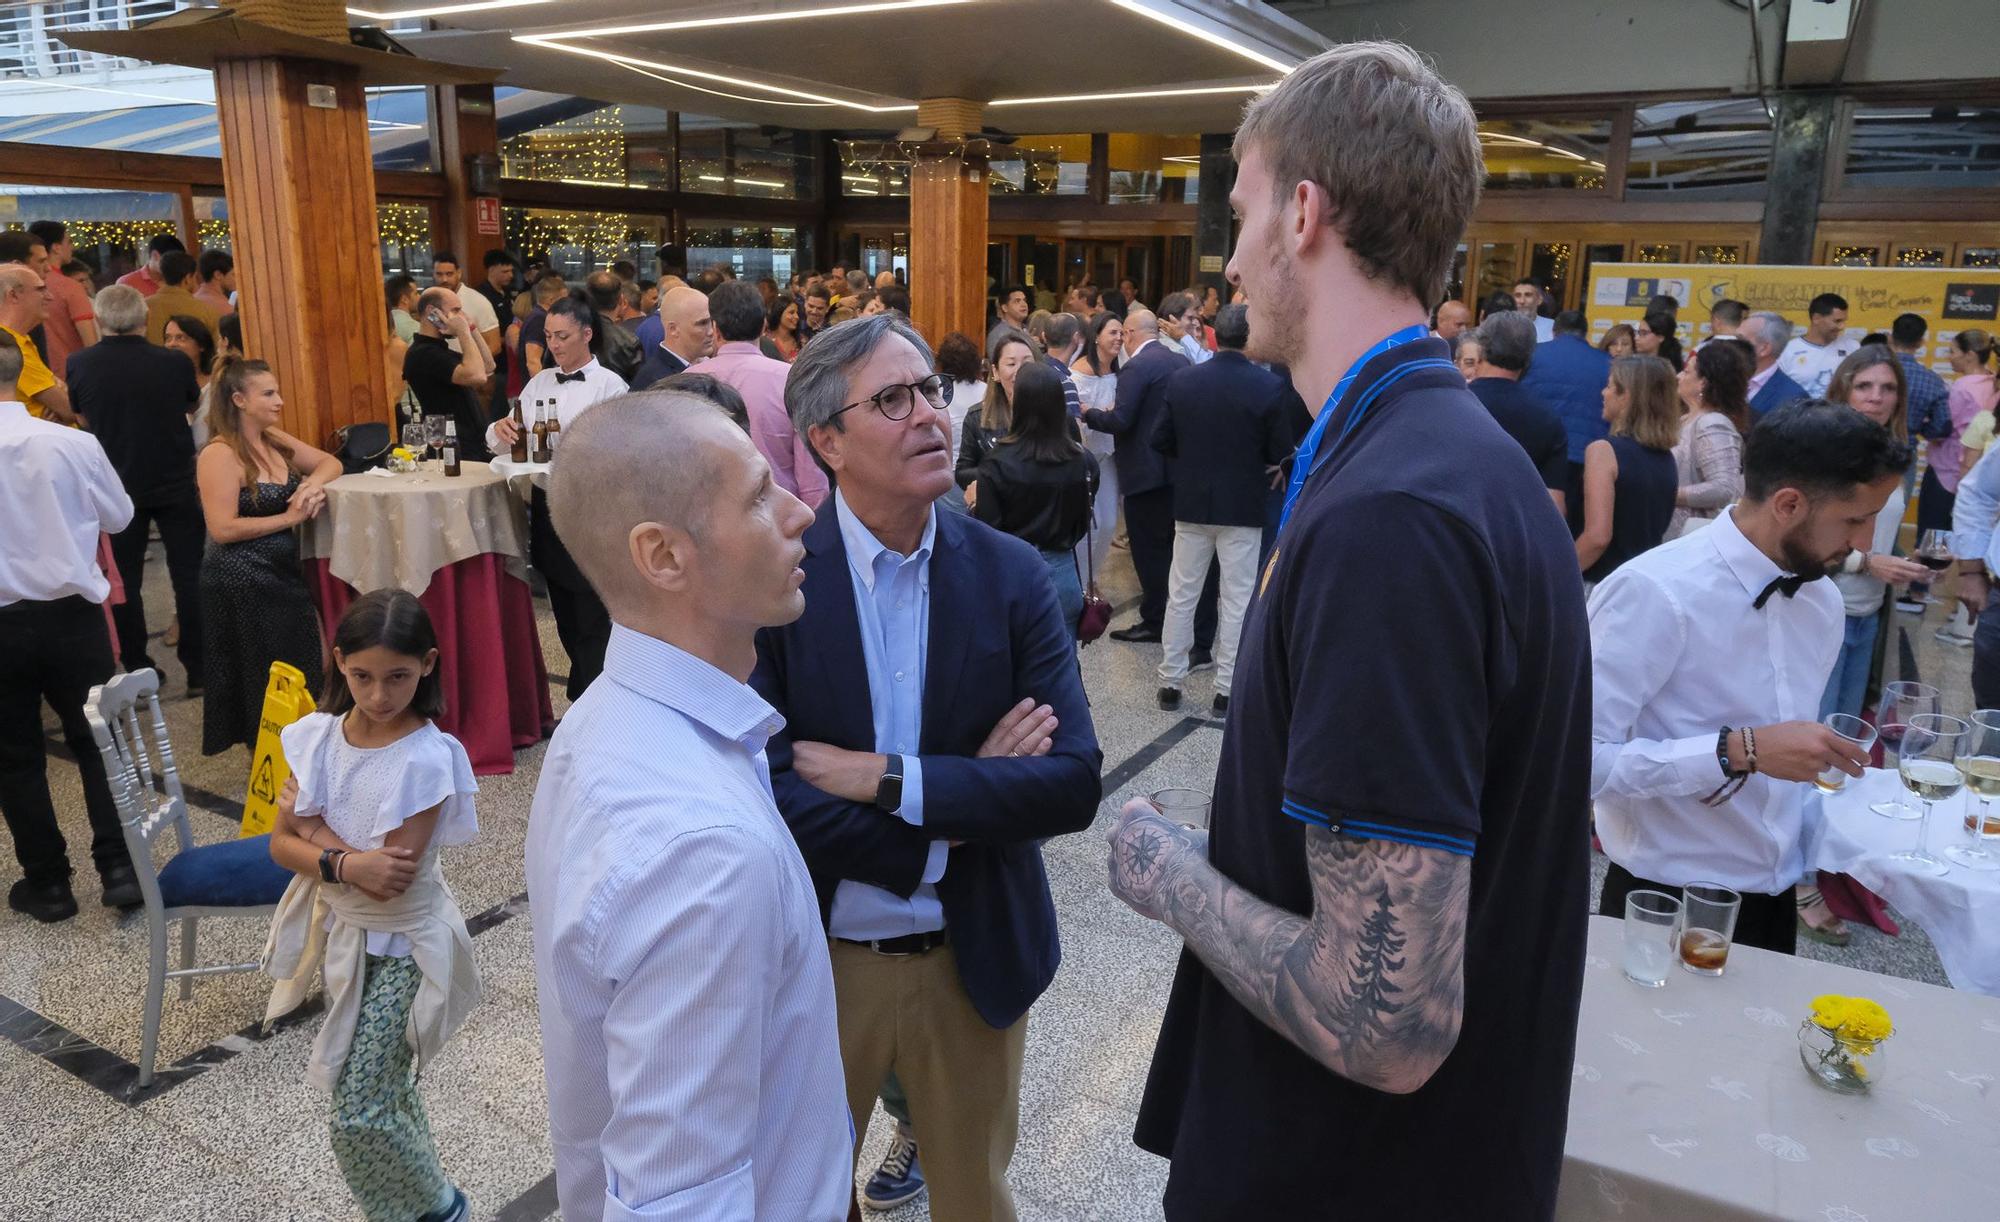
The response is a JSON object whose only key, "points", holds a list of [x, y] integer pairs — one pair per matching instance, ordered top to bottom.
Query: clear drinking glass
{"points": [[434, 431], [415, 436], [1934, 550], [1900, 702], [1854, 730], [1928, 762], [1980, 762], [1187, 807], [1651, 920], [1708, 923]]}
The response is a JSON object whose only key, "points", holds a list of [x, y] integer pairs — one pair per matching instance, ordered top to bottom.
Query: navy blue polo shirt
{"points": [[1415, 668]]}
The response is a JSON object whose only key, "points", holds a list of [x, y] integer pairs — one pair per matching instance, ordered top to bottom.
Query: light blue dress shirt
{"points": [[1194, 351], [1974, 512], [892, 606], [688, 1030]]}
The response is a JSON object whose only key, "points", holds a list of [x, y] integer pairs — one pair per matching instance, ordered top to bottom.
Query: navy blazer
{"points": [[1569, 375], [1775, 393], [1142, 400], [1227, 417], [996, 637]]}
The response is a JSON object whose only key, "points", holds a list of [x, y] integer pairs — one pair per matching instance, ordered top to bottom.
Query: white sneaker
{"points": [[1958, 629]]}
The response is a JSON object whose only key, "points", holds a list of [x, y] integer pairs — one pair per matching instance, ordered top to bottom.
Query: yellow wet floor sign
{"points": [[285, 701]]}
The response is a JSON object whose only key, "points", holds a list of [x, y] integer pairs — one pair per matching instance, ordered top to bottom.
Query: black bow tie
{"points": [[569, 377], [1788, 586]]}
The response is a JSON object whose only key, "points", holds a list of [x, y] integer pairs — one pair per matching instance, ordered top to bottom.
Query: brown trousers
{"points": [[910, 1014]]}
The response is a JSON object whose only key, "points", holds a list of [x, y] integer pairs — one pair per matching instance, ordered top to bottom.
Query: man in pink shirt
{"points": [[147, 279], [738, 310], [71, 325]]}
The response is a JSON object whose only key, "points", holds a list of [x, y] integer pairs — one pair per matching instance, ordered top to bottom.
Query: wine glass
{"points": [[434, 431], [415, 436], [1934, 550], [1900, 702], [1980, 761], [1928, 762]]}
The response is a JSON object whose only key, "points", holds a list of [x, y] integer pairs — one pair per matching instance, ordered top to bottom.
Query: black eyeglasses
{"points": [[898, 401]]}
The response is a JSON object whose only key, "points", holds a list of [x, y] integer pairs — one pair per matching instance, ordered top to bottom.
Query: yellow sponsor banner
{"points": [[1950, 299]]}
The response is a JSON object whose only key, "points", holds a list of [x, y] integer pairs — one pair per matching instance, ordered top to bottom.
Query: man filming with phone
{"points": [[446, 382]]}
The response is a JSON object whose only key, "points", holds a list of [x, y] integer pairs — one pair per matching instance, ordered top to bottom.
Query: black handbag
{"points": [[361, 446], [1096, 615]]}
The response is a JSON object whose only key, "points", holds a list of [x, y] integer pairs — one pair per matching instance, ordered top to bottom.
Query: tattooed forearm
{"points": [[1372, 984]]}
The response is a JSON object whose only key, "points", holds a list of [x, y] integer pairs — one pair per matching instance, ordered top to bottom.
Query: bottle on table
{"points": [[555, 427], [541, 434], [520, 451], [451, 464]]}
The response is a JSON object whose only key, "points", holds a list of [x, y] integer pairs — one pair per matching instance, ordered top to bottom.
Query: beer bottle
{"points": [[555, 426], [541, 434], [520, 453], [451, 466]]}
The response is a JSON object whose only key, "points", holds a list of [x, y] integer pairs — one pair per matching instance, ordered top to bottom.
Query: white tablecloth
{"points": [[522, 477], [399, 529], [1960, 911], [1689, 1102]]}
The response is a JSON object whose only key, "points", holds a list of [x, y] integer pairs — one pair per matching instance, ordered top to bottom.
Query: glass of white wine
{"points": [[1900, 702], [1854, 730], [1928, 762], [1981, 765]]}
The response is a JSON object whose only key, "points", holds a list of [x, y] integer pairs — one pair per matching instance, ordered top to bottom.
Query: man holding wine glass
{"points": [[1710, 656]]}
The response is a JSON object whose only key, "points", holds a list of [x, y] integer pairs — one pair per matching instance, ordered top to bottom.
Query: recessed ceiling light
{"points": [[443, 10], [700, 23], [1206, 35], [1131, 94]]}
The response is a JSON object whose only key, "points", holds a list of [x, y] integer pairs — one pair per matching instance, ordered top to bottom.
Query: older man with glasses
{"points": [[935, 734]]}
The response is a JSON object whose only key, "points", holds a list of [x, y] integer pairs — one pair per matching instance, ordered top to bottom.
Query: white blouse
{"points": [[364, 793]]}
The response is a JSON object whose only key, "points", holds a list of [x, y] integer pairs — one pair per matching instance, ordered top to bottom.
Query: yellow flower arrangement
{"points": [[403, 454], [1857, 1019], [1841, 1034]]}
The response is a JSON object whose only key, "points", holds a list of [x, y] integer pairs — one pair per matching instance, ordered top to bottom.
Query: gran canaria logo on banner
{"points": [[1950, 299]]}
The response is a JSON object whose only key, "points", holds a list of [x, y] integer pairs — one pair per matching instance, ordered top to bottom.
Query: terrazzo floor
{"points": [[232, 1132]]}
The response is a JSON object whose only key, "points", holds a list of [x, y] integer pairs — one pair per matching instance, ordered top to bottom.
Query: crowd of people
{"points": [[822, 590]]}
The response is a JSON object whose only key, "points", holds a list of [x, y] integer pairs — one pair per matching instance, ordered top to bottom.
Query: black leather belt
{"points": [[908, 944]]}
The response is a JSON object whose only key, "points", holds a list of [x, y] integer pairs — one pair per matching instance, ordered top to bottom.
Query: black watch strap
{"points": [[889, 791], [326, 865]]}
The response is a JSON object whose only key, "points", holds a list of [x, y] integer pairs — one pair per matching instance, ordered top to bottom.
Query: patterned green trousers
{"points": [[381, 1137]]}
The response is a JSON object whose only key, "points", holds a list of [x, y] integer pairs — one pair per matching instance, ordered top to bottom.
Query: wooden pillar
{"points": [[468, 127], [300, 177], [948, 227]]}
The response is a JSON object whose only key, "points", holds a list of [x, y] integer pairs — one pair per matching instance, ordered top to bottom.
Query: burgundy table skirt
{"points": [[496, 686]]}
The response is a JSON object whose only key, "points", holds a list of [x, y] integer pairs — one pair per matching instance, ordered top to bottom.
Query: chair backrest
{"points": [[131, 733]]}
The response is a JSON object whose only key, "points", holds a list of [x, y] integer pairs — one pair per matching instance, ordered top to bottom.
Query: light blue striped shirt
{"points": [[892, 606], [688, 1030]]}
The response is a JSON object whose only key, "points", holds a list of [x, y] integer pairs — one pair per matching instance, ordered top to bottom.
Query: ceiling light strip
{"points": [[444, 10], [703, 23], [1206, 35], [554, 43], [717, 93], [1131, 95]]}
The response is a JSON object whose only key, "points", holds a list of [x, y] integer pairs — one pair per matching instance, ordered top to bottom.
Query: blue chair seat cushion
{"points": [[231, 874]]}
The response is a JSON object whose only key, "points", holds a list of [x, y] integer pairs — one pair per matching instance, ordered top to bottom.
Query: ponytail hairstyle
{"points": [[1982, 346], [225, 418], [393, 619]]}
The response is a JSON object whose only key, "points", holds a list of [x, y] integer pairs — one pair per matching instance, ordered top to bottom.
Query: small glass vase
{"points": [[1848, 1066]]}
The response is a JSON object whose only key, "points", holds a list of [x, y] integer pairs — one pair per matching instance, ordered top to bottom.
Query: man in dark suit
{"points": [[1767, 333], [687, 335], [1507, 347], [1569, 375], [136, 397], [1228, 416], [1144, 475], [935, 733]]}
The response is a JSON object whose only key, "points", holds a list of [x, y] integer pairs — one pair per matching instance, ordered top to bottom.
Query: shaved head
{"points": [[1143, 320], [685, 324], [649, 457]]}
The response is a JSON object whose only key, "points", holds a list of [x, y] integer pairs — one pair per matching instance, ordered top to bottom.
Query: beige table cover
{"points": [[398, 530], [1689, 1102]]}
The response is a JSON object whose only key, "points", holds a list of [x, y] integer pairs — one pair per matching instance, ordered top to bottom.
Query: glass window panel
{"points": [[399, 127], [553, 137], [1917, 146], [1709, 150], [1530, 154], [720, 157], [1041, 165], [873, 168], [1151, 169], [211, 222], [108, 228], [406, 239], [577, 243], [751, 251], [1657, 252], [1717, 252], [1855, 256], [1922, 256], [1979, 256], [1551, 263], [1498, 266]]}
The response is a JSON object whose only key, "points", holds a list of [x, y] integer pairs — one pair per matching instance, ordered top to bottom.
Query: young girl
{"points": [[376, 790]]}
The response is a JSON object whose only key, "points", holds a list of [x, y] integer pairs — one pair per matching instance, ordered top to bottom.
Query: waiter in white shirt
{"points": [[573, 382], [58, 493], [1728, 628], [687, 1004]]}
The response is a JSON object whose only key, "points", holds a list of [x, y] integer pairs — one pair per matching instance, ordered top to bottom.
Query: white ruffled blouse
{"points": [[364, 793]]}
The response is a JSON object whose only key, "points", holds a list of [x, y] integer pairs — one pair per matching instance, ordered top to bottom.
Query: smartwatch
{"points": [[889, 793]]}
